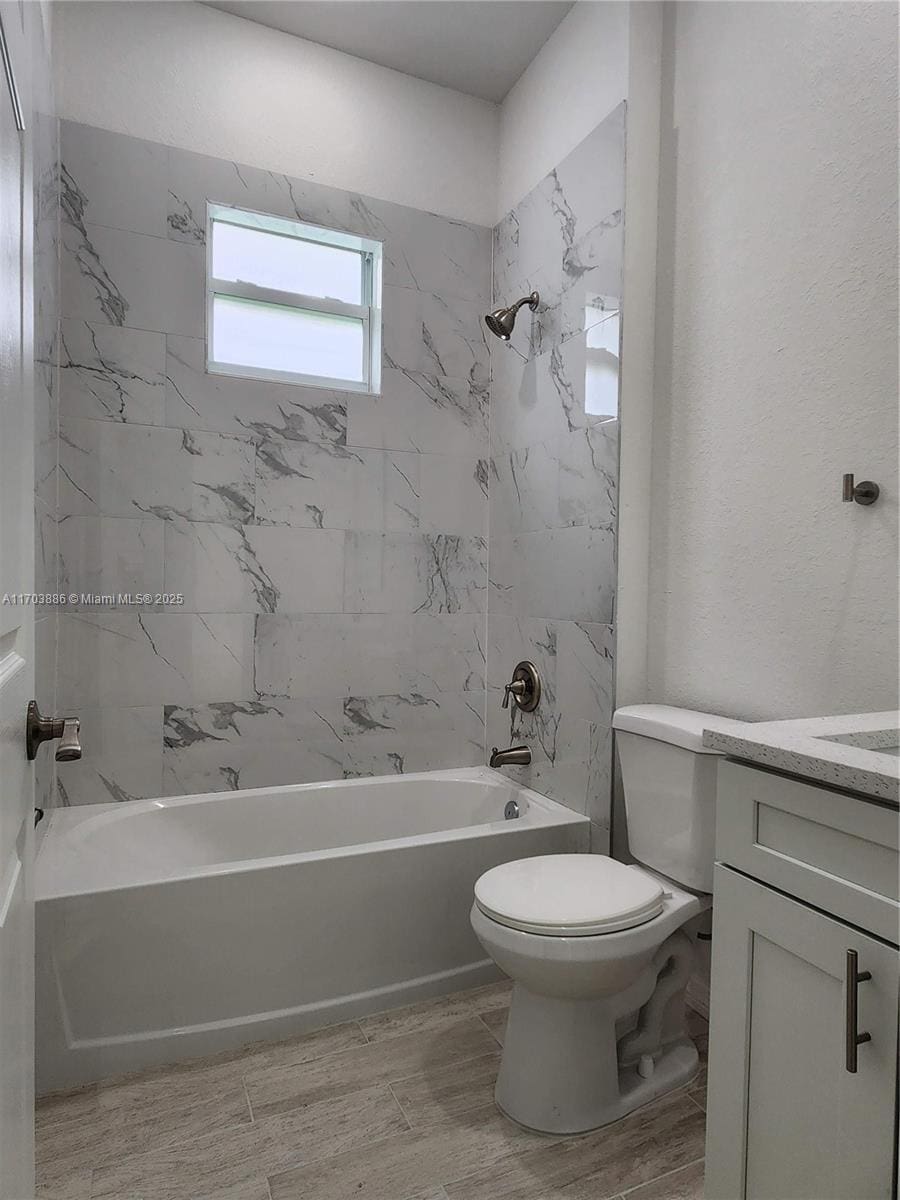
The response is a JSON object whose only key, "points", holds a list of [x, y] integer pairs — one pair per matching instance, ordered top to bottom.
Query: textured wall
{"points": [[578, 76], [207, 81], [776, 361], [554, 474], [330, 546]]}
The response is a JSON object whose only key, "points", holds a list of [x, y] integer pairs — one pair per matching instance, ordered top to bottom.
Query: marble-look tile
{"points": [[111, 179], [195, 179], [541, 237], [421, 250], [113, 277], [434, 335], [112, 373], [253, 408], [421, 412], [46, 426], [114, 470], [588, 476], [333, 487], [524, 490], [453, 495], [46, 549], [109, 556], [253, 568], [412, 573], [565, 574], [449, 652], [368, 654], [131, 658], [585, 666], [411, 732], [250, 743], [121, 756], [209, 769], [599, 779], [436, 1013], [279, 1089], [434, 1096], [660, 1137], [402, 1165], [684, 1184]]}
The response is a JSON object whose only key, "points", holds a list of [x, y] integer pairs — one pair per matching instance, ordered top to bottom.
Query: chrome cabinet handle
{"points": [[853, 978]]}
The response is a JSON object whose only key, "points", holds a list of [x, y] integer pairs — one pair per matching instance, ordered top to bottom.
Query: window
{"points": [[292, 302]]}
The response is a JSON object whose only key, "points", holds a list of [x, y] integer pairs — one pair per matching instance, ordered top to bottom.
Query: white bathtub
{"points": [[179, 927]]}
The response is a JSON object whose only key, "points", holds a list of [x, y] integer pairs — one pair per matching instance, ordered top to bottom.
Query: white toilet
{"points": [[597, 950]]}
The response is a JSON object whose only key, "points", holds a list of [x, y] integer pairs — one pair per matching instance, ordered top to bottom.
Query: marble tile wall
{"points": [[45, 175], [553, 474], [330, 547]]}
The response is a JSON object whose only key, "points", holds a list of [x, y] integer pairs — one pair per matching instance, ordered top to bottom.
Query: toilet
{"points": [[600, 952]]}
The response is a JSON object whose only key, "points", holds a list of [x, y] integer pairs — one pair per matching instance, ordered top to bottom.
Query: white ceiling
{"points": [[476, 46]]}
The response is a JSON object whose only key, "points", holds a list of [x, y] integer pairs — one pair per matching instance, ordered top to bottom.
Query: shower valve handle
{"points": [[518, 687], [44, 729]]}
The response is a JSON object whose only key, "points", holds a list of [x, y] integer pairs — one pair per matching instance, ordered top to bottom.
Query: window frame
{"points": [[369, 312]]}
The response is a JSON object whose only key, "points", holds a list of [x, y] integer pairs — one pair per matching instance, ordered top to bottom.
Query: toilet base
{"points": [[560, 1072]]}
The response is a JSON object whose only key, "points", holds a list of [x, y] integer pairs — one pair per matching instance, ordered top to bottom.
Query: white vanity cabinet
{"points": [[805, 898]]}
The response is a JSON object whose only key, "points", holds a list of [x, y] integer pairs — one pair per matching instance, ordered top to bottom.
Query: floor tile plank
{"points": [[436, 1013], [496, 1022], [276, 1089], [437, 1095], [660, 1137], [238, 1160], [400, 1166], [684, 1184]]}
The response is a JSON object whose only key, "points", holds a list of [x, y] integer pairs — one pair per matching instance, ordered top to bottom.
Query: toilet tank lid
{"points": [[678, 726]]}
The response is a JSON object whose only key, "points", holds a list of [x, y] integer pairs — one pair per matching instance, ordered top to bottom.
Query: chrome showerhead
{"points": [[501, 321]]}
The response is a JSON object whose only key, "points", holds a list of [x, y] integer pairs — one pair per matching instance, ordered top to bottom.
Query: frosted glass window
{"points": [[286, 264], [292, 302], [287, 339]]}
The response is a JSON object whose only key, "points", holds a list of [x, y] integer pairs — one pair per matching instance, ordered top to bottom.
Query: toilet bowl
{"points": [[599, 951]]}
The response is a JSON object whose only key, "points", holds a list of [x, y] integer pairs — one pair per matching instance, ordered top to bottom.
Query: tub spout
{"points": [[515, 756]]}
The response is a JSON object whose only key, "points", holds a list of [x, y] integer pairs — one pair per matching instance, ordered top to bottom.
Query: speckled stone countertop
{"points": [[859, 752]]}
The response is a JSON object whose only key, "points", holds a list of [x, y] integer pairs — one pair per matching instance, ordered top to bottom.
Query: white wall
{"points": [[577, 79], [204, 80], [776, 361]]}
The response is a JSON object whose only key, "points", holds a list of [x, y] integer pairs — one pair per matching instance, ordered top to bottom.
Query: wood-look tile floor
{"points": [[397, 1106]]}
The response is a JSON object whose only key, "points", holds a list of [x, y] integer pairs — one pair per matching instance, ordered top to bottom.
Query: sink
{"points": [[879, 741]]}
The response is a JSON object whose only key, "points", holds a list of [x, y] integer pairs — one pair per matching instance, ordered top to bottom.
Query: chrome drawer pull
{"points": [[854, 977]]}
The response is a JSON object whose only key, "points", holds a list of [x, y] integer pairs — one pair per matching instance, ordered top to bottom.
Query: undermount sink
{"points": [[879, 741]]}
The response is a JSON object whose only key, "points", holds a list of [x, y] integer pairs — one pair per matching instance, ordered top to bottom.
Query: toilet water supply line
{"points": [[672, 963]]}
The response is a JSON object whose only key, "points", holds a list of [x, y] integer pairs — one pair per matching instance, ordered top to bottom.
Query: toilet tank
{"points": [[669, 781]]}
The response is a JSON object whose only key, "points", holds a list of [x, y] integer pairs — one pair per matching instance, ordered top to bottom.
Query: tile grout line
{"points": [[490, 1031], [456, 1063], [697, 1102], [403, 1111], [657, 1178]]}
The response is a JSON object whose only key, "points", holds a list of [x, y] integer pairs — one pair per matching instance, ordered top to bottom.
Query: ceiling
{"points": [[476, 46]]}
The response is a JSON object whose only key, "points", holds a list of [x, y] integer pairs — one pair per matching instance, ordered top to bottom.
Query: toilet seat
{"points": [[569, 895]]}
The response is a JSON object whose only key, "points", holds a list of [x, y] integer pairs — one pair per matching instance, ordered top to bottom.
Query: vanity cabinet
{"points": [[789, 1116]]}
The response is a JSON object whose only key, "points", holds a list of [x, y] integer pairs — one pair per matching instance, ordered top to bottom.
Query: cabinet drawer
{"points": [[831, 849]]}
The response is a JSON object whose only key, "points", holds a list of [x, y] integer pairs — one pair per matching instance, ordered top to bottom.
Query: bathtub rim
{"points": [[67, 823]]}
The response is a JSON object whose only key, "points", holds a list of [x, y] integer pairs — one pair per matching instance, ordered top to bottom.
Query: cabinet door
{"points": [[787, 1120]]}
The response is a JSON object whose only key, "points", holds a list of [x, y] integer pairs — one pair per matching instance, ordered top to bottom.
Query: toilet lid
{"points": [[569, 895]]}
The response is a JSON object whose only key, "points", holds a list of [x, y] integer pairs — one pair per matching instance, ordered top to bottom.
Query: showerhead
{"points": [[501, 321]]}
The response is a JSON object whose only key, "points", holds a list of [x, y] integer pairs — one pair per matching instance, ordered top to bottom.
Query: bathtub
{"points": [[179, 927]]}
